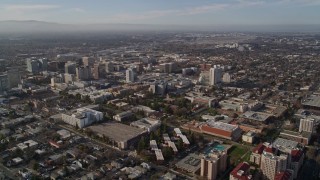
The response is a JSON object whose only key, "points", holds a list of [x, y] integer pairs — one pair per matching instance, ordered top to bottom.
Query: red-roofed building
{"points": [[224, 130], [255, 156], [241, 172], [285, 175]]}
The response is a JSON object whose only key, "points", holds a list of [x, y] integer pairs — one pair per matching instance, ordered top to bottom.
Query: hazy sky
{"points": [[182, 12]]}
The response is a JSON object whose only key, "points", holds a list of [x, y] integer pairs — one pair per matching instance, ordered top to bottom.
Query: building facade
{"points": [[215, 75]]}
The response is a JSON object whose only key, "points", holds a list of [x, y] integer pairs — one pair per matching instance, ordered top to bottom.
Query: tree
{"points": [[78, 96], [167, 110], [152, 136], [180, 144], [141, 145], [167, 152], [35, 166]]}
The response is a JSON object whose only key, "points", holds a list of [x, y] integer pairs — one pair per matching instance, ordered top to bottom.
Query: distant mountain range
{"points": [[32, 26]]}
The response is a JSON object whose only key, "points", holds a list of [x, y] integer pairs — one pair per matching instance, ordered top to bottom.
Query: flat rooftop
{"points": [[312, 101], [257, 116], [221, 125], [117, 131], [303, 134], [285, 143], [190, 163]]}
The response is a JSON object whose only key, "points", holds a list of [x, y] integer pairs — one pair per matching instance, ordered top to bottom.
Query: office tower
{"points": [[88, 61], [43, 64], [2, 65], [33, 65], [37, 65], [70, 67], [109, 67], [168, 67], [102, 70], [95, 71], [83, 73], [131, 75], [215, 75], [14, 78], [226, 78], [3, 83], [158, 88], [306, 124], [271, 164]]}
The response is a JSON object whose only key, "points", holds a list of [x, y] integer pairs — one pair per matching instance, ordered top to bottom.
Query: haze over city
{"points": [[267, 15]]}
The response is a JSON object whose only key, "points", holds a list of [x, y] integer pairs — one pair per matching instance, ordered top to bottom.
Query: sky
{"points": [[175, 12]]}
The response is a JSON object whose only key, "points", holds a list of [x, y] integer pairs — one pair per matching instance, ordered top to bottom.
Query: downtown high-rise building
{"points": [[88, 61], [2, 65], [36, 66], [70, 67], [109, 67], [83, 73], [131, 75], [215, 75], [14, 78], [3, 83]]}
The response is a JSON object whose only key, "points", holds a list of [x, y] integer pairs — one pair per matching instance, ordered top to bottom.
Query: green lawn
{"points": [[236, 152]]}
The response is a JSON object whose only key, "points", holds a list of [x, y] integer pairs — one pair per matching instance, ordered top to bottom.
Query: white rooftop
{"points": [[221, 125]]}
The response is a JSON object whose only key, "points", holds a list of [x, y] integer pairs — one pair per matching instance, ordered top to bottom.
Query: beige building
{"points": [[88, 61], [306, 124], [249, 137], [213, 164], [271, 164]]}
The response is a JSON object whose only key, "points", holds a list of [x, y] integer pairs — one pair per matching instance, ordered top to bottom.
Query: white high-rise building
{"points": [[109, 67], [130, 75], [215, 75], [306, 124], [271, 164]]}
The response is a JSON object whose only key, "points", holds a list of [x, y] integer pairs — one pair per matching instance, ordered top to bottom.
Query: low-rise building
{"points": [[123, 116], [147, 124], [220, 129], [249, 137], [299, 137], [191, 164], [241, 172]]}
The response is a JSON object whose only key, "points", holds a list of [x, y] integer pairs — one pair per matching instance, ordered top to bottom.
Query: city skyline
{"points": [[205, 12]]}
